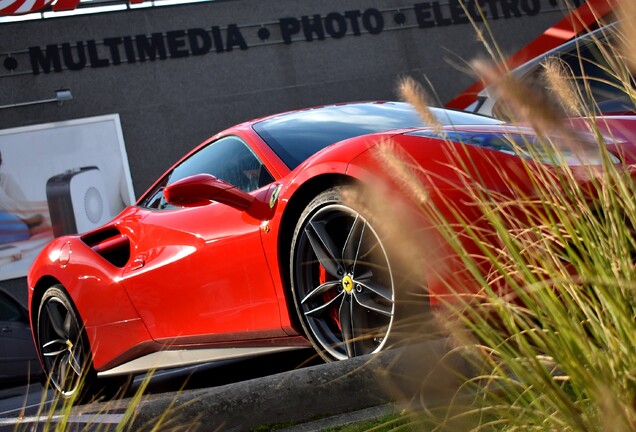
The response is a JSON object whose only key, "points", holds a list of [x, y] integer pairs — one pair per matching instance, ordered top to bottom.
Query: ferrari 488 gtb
{"points": [[250, 245]]}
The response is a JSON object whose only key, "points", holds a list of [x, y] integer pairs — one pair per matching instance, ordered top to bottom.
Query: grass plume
{"points": [[626, 13], [558, 78], [414, 93], [550, 322]]}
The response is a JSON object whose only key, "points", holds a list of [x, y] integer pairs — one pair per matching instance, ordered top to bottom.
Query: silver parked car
{"points": [[594, 75]]}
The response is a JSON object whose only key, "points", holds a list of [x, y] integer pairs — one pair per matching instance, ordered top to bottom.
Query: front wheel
{"points": [[343, 281], [65, 353]]}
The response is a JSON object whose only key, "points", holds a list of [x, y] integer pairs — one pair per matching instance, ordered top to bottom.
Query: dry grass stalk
{"points": [[626, 13], [559, 81], [412, 92], [524, 103], [529, 106], [397, 162], [560, 338]]}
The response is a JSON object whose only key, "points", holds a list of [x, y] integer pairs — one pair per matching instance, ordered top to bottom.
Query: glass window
{"points": [[590, 67], [603, 88], [296, 136], [228, 159], [10, 311]]}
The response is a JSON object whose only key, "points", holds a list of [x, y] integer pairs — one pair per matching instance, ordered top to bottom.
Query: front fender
{"points": [[94, 286]]}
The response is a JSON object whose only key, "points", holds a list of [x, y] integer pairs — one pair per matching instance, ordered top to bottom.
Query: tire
{"points": [[346, 290], [65, 353]]}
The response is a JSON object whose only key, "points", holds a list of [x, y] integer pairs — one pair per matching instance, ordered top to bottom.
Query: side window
{"points": [[591, 69], [599, 85], [228, 159], [9, 311]]}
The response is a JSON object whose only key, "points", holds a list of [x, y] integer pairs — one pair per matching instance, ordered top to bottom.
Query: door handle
{"points": [[137, 263]]}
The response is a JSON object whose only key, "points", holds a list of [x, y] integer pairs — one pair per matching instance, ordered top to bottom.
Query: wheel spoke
{"points": [[353, 243], [370, 246], [324, 247], [376, 288], [320, 290], [367, 302], [321, 309], [56, 320], [346, 322], [71, 328], [62, 344], [53, 353], [75, 365], [54, 366], [62, 368]]}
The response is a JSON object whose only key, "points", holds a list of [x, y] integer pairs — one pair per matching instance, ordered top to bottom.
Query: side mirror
{"points": [[201, 189]]}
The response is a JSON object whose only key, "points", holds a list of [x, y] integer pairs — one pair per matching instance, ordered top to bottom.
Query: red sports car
{"points": [[247, 246]]}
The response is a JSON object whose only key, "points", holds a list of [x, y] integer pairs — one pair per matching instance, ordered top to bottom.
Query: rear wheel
{"points": [[343, 281]]}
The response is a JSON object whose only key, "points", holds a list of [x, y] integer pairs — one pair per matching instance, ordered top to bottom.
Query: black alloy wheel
{"points": [[342, 279], [62, 345]]}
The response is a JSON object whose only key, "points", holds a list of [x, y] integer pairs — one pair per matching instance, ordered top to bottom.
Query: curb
{"points": [[429, 369]]}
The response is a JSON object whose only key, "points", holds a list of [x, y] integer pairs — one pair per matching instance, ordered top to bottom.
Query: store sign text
{"points": [[200, 41]]}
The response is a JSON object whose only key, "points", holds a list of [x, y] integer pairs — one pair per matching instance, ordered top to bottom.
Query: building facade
{"points": [[175, 75]]}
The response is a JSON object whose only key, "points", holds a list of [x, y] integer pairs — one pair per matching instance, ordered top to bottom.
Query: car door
{"points": [[200, 275], [18, 359]]}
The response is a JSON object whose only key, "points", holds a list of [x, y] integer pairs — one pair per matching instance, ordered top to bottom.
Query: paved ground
{"points": [[297, 397]]}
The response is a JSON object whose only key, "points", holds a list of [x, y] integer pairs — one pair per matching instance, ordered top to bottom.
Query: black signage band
{"points": [[114, 51]]}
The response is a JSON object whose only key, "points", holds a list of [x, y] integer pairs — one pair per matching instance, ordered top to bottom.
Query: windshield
{"points": [[296, 136]]}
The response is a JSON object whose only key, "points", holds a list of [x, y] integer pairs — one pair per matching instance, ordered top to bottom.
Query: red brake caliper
{"points": [[329, 295]]}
